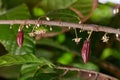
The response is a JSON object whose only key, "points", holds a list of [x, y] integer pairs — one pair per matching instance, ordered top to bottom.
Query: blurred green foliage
{"points": [[38, 12], [106, 17], [66, 58], [36, 59]]}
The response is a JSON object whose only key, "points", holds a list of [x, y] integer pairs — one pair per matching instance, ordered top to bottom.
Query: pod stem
{"points": [[89, 35]]}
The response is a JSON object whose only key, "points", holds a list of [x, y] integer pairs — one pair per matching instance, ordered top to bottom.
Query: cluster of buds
{"points": [[38, 32]]}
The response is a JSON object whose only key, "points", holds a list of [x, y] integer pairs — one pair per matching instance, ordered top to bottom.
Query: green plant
{"points": [[44, 31]]}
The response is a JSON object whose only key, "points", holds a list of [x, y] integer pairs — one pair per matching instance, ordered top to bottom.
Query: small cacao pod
{"points": [[20, 37], [86, 51]]}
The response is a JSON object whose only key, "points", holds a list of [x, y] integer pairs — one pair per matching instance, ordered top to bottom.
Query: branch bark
{"points": [[64, 24], [110, 68], [87, 74]]}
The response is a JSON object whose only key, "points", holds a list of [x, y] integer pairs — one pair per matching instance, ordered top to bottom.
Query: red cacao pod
{"points": [[20, 37], [86, 51]]}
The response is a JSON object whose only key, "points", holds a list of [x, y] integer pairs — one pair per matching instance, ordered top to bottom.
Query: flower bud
{"points": [[20, 37], [86, 51]]}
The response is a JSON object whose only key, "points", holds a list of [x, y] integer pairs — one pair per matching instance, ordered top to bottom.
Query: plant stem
{"points": [[65, 24], [76, 33], [97, 75]]}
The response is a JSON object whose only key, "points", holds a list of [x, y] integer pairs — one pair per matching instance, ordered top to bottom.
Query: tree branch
{"points": [[77, 12], [64, 24], [110, 68], [92, 75]]}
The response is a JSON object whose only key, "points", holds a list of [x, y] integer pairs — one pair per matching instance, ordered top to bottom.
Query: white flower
{"points": [[43, 31], [31, 34], [105, 38], [77, 40]]}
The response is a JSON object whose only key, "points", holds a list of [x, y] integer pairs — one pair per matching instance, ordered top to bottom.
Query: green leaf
{"points": [[12, 3], [56, 4], [84, 6], [38, 11], [19, 12], [63, 15], [8, 36], [50, 42], [9, 59], [31, 61], [46, 62], [28, 70], [32, 70], [10, 72], [44, 76]]}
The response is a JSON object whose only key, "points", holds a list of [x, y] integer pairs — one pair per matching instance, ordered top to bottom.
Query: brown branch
{"points": [[94, 6], [77, 12], [85, 18], [64, 24], [110, 68], [87, 74]]}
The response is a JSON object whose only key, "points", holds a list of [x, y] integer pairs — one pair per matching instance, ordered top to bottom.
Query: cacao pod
{"points": [[20, 37], [86, 51]]}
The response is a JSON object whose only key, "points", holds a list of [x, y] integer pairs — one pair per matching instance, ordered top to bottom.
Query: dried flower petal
{"points": [[40, 31], [31, 34], [20, 38], [105, 38], [77, 40], [86, 51]]}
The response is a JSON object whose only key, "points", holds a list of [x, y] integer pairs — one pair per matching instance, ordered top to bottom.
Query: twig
{"points": [[94, 6], [77, 12], [83, 17], [64, 24], [110, 68], [65, 72], [98, 75]]}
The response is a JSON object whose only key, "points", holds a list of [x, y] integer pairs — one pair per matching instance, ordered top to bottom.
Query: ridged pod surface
{"points": [[20, 37], [85, 52]]}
